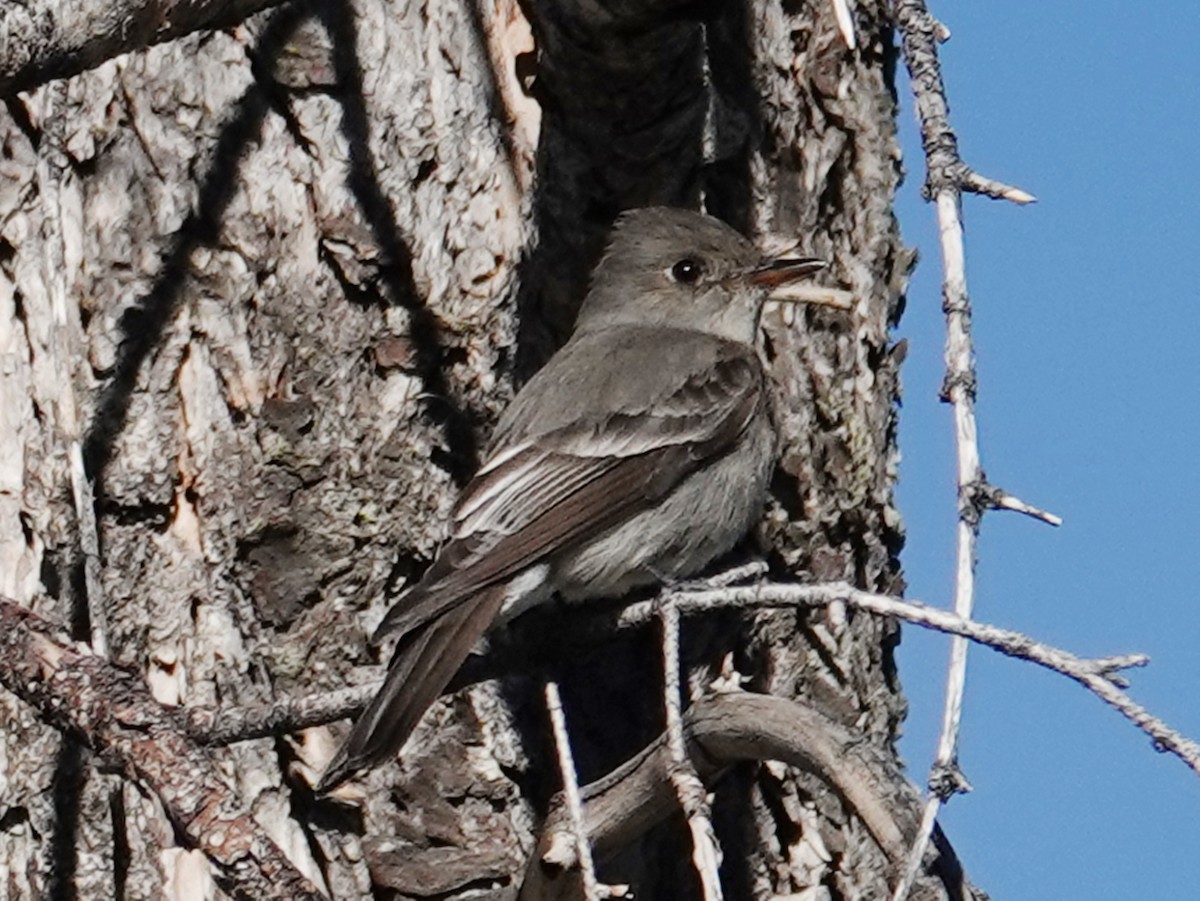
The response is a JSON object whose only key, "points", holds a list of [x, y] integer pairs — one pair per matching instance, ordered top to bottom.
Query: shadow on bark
{"points": [[623, 111], [396, 270], [142, 325]]}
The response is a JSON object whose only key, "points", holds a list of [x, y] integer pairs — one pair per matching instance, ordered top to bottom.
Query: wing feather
{"points": [[539, 494]]}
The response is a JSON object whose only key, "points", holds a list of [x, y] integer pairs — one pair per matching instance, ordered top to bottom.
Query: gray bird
{"points": [[640, 452]]}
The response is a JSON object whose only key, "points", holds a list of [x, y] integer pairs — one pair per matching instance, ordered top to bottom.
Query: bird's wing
{"points": [[538, 495]]}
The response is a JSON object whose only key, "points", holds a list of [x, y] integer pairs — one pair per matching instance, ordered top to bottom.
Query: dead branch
{"points": [[920, 33], [41, 40], [947, 177], [1099, 675], [111, 712], [209, 725], [721, 730], [689, 789], [577, 840]]}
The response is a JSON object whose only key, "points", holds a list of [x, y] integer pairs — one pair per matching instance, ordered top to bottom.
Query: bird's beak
{"points": [[784, 270], [781, 278]]}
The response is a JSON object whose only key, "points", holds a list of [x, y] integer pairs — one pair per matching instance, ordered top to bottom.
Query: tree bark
{"points": [[45, 39], [263, 291]]}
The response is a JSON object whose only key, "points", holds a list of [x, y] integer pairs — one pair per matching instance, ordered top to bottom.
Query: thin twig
{"points": [[974, 183], [1007, 502], [737, 575], [566, 765], [693, 796]]}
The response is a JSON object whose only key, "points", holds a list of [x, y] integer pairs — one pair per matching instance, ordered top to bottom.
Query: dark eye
{"points": [[687, 271]]}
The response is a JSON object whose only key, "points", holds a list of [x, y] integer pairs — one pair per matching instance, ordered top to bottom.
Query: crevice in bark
{"points": [[263, 59], [495, 103], [623, 111], [20, 115], [737, 126], [158, 516], [50, 574], [79, 623], [70, 776], [307, 811], [15, 817], [733, 820], [120, 834]]}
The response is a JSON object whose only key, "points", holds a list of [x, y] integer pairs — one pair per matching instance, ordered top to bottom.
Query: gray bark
{"points": [[45, 39], [271, 285]]}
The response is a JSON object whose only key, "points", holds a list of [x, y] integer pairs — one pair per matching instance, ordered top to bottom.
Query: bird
{"points": [[640, 453]]}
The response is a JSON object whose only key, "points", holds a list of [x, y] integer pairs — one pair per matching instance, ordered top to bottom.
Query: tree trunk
{"points": [[263, 292]]}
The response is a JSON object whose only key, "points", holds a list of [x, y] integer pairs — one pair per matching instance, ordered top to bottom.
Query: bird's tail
{"points": [[423, 663]]}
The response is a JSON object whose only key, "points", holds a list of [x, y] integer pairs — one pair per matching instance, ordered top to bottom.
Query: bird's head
{"points": [[681, 269]]}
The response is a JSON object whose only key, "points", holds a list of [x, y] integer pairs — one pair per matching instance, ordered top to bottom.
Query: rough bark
{"points": [[45, 39], [271, 284], [109, 710]]}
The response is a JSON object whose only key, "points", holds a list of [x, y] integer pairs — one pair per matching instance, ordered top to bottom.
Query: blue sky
{"points": [[1087, 313]]}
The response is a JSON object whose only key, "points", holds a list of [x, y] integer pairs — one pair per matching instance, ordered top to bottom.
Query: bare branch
{"points": [[920, 34], [41, 40], [947, 177], [974, 183], [960, 368], [977, 497], [1004, 501], [737, 575], [1098, 675], [113, 714], [227, 725], [220, 726], [721, 730], [566, 765], [693, 797]]}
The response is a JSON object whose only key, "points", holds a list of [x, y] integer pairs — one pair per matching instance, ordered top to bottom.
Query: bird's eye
{"points": [[687, 271]]}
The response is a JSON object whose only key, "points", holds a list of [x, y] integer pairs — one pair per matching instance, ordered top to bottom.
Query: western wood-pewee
{"points": [[641, 451]]}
